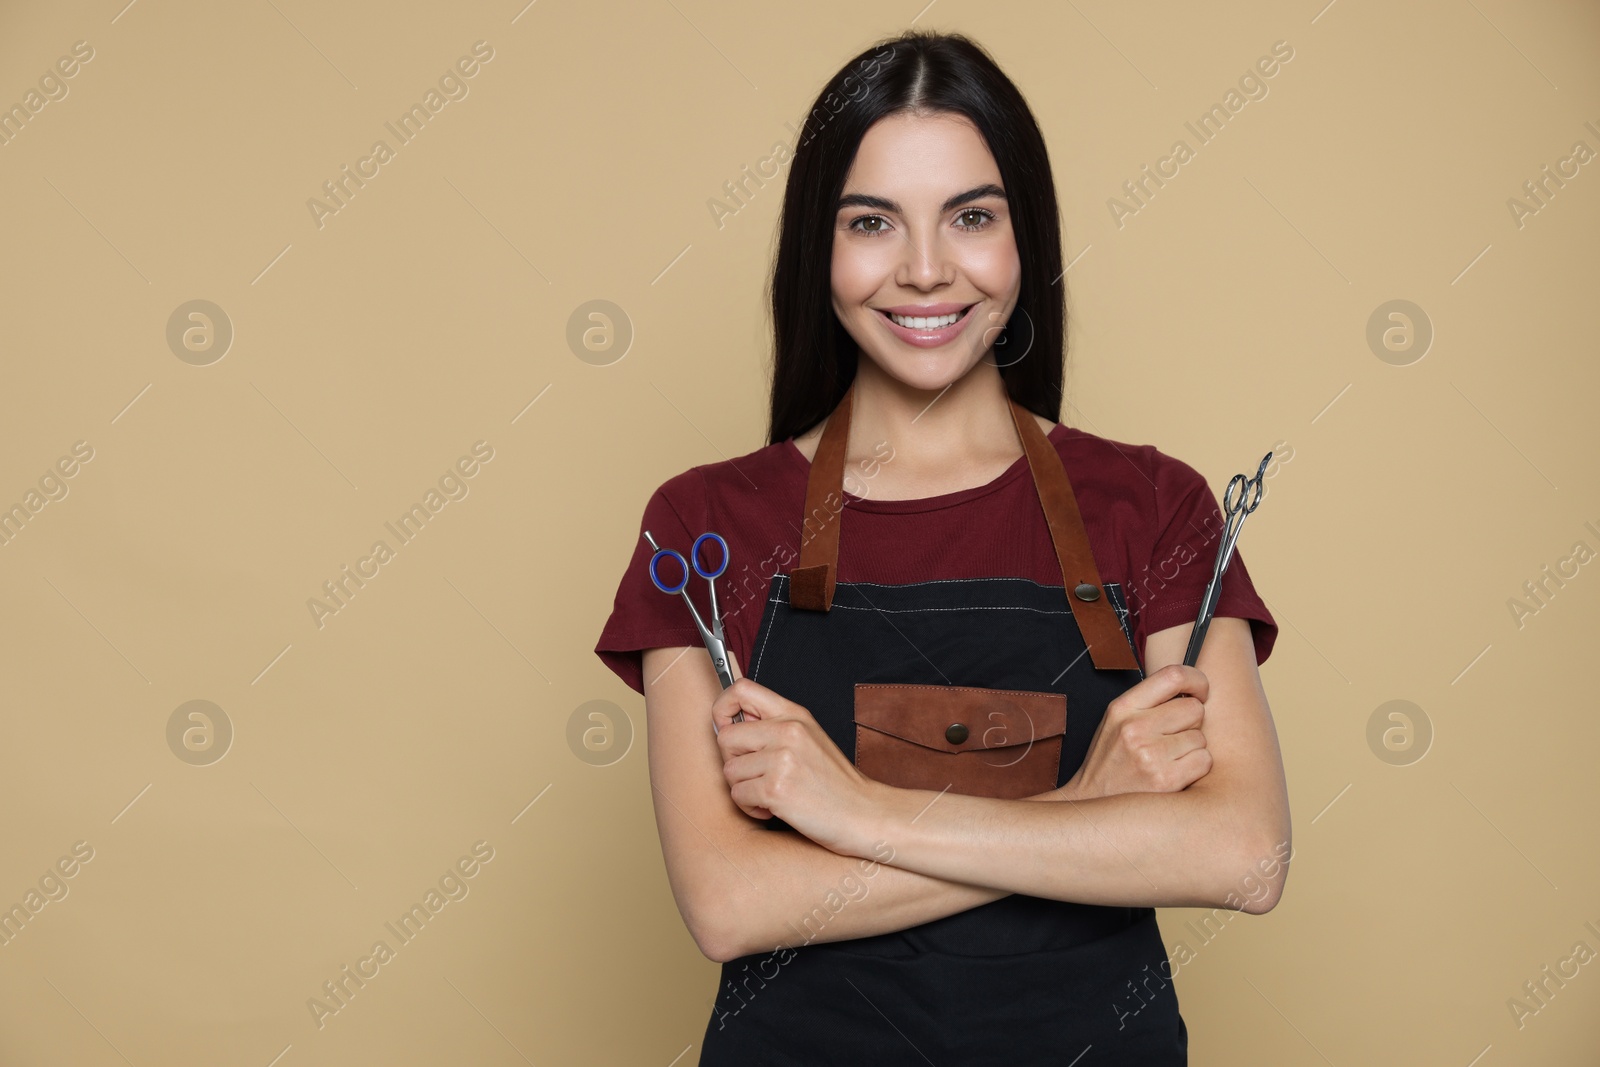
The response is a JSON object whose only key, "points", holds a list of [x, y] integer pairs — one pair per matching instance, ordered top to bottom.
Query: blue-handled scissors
{"points": [[1249, 498], [712, 635]]}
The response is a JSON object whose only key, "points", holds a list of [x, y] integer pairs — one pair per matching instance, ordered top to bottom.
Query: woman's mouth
{"points": [[928, 331]]}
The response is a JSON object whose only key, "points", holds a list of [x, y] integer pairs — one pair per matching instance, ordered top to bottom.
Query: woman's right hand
{"points": [[1150, 740]]}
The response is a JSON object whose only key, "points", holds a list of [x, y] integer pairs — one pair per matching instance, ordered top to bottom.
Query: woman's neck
{"points": [[941, 441]]}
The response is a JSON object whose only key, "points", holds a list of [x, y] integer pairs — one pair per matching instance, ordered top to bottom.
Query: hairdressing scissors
{"points": [[1250, 491], [712, 636]]}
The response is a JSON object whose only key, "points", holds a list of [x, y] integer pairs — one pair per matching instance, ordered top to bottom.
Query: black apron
{"points": [[1021, 980]]}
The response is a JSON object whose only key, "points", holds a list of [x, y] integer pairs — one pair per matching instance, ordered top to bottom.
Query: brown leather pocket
{"points": [[1002, 743]]}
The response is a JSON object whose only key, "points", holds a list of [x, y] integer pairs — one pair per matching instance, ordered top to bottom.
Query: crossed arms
{"points": [[1181, 802]]}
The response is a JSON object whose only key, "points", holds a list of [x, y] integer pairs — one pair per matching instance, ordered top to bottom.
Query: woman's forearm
{"points": [[1185, 849], [804, 893], [812, 894]]}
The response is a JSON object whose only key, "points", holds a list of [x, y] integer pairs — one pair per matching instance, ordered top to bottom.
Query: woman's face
{"points": [[923, 230]]}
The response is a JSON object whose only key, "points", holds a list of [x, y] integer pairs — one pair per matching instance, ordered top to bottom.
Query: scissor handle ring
{"points": [[1258, 483], [1255, 498], [1230, 505], [694, 555], [682, 565]]}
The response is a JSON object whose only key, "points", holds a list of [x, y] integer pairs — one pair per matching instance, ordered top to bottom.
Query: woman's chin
{"points": [[929, 371]]}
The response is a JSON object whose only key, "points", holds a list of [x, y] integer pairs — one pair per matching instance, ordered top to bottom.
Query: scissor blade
{"points": [[1208, 605], [716, 612], [1197, 637], [715, 646], [719, 660]]}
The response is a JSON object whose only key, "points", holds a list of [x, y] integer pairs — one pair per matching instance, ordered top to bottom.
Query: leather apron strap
{"points": [[812, 580]]}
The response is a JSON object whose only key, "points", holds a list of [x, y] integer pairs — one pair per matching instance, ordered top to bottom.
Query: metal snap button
{"points": [[1085, 591], [955, 733]]}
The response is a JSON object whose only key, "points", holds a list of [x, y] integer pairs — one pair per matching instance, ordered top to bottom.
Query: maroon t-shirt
{"points": [[1152, 520]]}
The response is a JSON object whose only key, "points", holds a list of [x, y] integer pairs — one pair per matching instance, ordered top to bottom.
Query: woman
{"points": [[977, 556]]}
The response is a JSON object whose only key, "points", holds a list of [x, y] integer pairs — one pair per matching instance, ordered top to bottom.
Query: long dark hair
{"points": [[814, 357]]}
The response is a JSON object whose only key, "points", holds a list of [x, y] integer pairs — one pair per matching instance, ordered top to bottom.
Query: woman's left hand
{"points": [[779, 761]]}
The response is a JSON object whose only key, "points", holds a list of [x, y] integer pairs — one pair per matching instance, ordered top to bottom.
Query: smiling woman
{"points": [[971, 627]]}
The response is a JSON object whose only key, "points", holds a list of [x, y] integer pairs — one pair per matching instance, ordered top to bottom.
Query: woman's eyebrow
{"points": [[885, 204]]}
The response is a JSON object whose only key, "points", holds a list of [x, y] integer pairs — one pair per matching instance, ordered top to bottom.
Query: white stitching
{"points": [[942, 581], [780, 598], [972, 607], [912, 611], [755, 668], [969, 688]]}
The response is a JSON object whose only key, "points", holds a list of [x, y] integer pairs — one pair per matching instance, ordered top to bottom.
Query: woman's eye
{"points": [[980, 213], [856, 224]]}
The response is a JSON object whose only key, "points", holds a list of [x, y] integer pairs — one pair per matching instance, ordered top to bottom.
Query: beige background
{"points": [[432, 311]]}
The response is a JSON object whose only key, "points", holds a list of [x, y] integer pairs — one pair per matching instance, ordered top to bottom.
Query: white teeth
{"points": [[937, 322]]}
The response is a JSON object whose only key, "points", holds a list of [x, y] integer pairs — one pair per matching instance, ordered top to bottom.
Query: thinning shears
{"points": [[1250, 491], [712, 635]]}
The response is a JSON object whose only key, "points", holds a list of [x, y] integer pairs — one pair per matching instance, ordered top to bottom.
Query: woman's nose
{"points": [[925, 260]]}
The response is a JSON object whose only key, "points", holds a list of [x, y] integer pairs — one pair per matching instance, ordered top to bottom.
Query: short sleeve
{"points": [[1185, 551], [642, 616]]}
